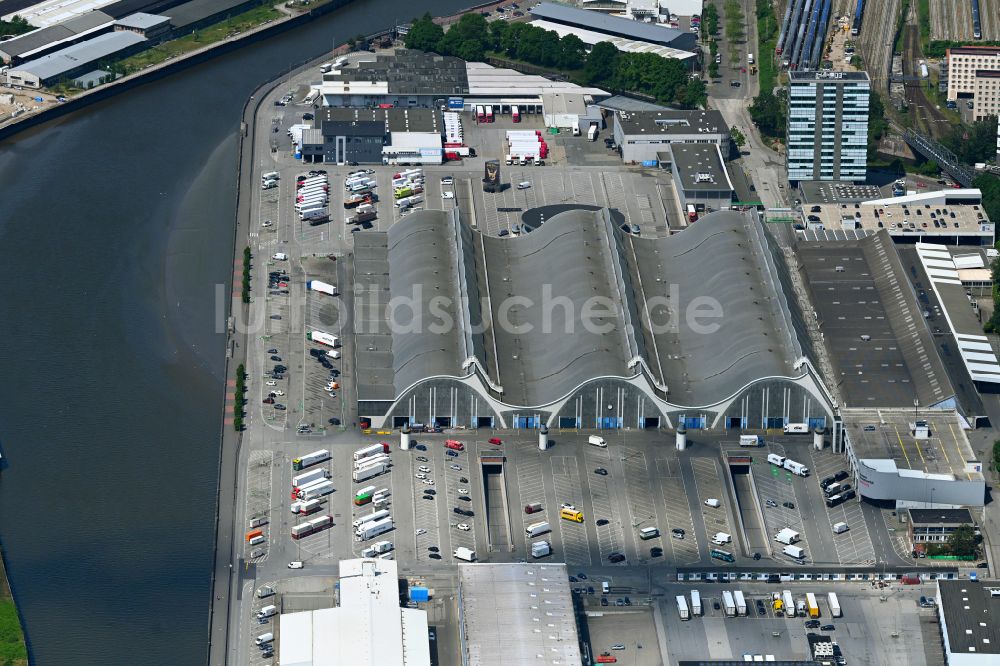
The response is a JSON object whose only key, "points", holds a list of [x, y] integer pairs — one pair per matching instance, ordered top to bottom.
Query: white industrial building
{"points": [[640, 135], [413, 148], [517, 615], [969, 616], [369, 628]]}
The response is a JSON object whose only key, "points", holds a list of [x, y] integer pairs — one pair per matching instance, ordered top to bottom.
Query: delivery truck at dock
{"points": [[682, 607]]}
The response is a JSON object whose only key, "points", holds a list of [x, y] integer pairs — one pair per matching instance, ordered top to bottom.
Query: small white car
{"points": [[447, 195], [267, 223], [271, 382], [278, 392], [457, 467], [423, 468], [420, 475], [429, 482], [463, 491], [464, 527], [421, 531], [295, 565]]}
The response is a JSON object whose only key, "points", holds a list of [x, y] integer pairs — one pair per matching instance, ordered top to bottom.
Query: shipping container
{"points": [[310, 459], [254, 533]]}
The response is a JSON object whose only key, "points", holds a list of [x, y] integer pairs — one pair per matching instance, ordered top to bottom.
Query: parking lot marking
{"points": [[566, 480], [709, 485], [531, 488], [641, 501], [257, 502], [677, 510], [609, 537]]}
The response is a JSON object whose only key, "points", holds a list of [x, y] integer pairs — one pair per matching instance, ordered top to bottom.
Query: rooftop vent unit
{"points": [[704, 177]]}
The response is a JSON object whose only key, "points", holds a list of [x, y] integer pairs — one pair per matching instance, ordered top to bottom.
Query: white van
{"points": [[270, 175], [523, 185], [279, 256], [333, 353], [596, 440], [712, 502], [840, 528], [647, 533], [721, 538], [605, 587], [267, 611], [264, 638]]}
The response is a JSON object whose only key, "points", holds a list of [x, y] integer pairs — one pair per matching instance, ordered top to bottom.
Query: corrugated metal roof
{"points": [[143, 21], [61, 31], [647, 32], [621, 43], [77, 55]]}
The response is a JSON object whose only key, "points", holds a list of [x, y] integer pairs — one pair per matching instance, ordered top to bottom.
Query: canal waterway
{"points": [[116, 226]]}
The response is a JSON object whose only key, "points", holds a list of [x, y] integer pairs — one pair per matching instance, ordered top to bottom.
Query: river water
{"points": [[115, 228]]}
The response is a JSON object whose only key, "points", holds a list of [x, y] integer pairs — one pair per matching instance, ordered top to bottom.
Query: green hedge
{"points": [[238, 398]]}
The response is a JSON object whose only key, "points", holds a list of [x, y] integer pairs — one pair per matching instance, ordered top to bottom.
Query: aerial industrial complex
{"points": [[546, 374]]}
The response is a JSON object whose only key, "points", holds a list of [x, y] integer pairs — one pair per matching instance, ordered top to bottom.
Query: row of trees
{"points": [[15, 26], [473, 38], [976, 143], [963, 543]]}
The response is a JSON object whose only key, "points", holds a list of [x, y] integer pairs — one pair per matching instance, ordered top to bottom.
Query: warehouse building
{"points": [[52, 12], [196, 14], [151, 26], [613, 26], [43, 41], [623, 44], [77, 59], [414, 79], [344, 135], [640, 135], [700, 177], [502, 358], [512, 613], [969, 616], [369, 628]]}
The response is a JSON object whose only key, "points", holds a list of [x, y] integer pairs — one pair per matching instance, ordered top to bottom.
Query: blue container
{"points": [[650, 163], [420, 594]]}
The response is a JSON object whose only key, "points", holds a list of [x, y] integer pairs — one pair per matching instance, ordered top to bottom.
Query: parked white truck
{"points": [[373, 529], [541, 549], [466, 554], [682, 607]]}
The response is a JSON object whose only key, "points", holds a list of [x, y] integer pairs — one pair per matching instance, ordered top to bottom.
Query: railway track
{"points": [[952, 19], [878, 30]]}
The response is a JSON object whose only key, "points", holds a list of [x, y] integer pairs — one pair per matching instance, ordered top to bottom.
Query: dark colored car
{"points": [[272, 351], [275, 358], [280, 368], [268, 401], [280, 407], [451, 453], [601, 471], [841, 475], [462, 479], [827, 481], [430, 491], [465, 498], [788, 505], [601, 522], [656, 551], [435, 556], [615, 558], [582, 576], [604, 601], [715, 605], [812, 624], [828, 627]]}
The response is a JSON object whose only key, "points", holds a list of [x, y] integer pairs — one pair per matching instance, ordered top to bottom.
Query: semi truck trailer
{"points": [[322, 287], [310, 459], [369, 472]]}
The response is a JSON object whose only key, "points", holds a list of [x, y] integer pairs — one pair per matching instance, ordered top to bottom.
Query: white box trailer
{"points": [[315, 215], [322, 287], [323, 338], [751, 440], [369, 451], [310, 459], [381, 459], [775, 459], [796, 467], [369, 472], [308, 477], [318, 490], [373, 516], [537, 529], [372, 530], [787, 536], [377, 548], [541, 549], [794, 552], [466, 554], [696, 602], [741, 602], [728, 603], [789, 603], [834, 604], [682, 607]]}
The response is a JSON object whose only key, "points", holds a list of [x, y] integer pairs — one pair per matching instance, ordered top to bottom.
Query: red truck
{"points": [[454, 445]]}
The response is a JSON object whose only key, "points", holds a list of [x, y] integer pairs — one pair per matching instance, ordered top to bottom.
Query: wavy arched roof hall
{"points": [[693, 318]]}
